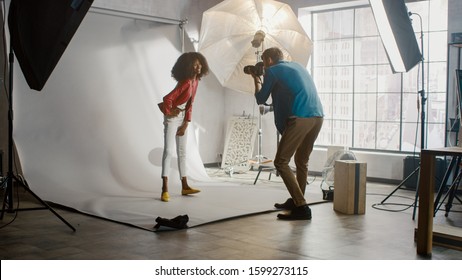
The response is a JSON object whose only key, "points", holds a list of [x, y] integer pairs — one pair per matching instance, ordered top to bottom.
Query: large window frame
{"points": [[368, 107]]}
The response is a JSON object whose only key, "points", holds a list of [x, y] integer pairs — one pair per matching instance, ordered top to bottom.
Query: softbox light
{"points": [[40, 31], [398, 38]]}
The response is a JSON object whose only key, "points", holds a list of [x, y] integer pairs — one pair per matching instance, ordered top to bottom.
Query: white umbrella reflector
{"points": [[228, 30]]}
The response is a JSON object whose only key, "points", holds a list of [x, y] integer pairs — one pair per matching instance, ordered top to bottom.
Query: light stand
{"points": [[257, 42], [423, 100], [263, 109], [259, 156], [10, 178]]}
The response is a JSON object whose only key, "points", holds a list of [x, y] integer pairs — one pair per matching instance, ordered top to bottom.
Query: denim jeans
{"points": [[172, 142]]}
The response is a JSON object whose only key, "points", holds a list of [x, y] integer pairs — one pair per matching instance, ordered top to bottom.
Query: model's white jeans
{"points": [[171, 140]]}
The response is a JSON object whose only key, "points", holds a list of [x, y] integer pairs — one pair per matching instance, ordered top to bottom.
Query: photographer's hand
{"points": [[257, 81]]}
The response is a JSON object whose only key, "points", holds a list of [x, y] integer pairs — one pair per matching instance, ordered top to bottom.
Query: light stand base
{"points": [[417, 170], [8, 190]]}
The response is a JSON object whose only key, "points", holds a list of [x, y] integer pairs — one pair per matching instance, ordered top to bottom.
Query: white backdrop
{"points": [[95, 131]]}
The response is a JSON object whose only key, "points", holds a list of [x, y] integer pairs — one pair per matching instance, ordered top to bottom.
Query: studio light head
{"points": [[397, 34], [258, 39]]}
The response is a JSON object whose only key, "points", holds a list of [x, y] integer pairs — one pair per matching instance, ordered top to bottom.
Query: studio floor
{"points": [[384, 232]]}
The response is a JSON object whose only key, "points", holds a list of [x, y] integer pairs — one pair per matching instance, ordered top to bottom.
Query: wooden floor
{"points": [[377, 235]]}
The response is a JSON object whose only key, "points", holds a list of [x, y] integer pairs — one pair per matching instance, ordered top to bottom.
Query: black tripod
{"points": [[423, 101], [10, 178], [452, 190]]}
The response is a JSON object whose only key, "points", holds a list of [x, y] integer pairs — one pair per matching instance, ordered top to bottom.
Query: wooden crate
{"points": [[350, 186]]}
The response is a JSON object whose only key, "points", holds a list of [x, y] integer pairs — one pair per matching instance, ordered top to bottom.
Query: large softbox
{"points": [[40, 31], [398, 37]]}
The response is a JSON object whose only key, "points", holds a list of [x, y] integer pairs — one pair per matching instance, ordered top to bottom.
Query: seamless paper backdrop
{"points": [[94, 131]]}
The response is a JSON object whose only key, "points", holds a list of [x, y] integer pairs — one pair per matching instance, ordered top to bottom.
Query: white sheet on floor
{"points": [[92, 139]]}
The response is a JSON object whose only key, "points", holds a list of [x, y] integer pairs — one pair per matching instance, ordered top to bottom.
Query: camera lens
{"points": [[249, 69]]}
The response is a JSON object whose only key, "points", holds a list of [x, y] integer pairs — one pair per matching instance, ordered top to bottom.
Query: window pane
{"points": [[439, 15], [323, 23], [365, 23], [343, 24], [438, 49], [366, 50], [342, 52], [322, 53], [382, 57], [436, 76], [366, 78], [323, 79], [343, 79], [412, 80], [387, 81], [326, 100], [342, 106], [365, 107], [390, 107], [436, 107], [410, 111], [341, 133], [325, 135], [364, 135], [435, 135], [388, 136], [410, 137]]}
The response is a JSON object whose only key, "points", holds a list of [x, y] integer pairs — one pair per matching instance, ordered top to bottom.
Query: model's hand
{"points": [[174, 112], [182, 129]]}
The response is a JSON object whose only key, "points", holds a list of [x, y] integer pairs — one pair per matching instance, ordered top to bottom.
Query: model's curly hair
{"points": [[183, 68]]}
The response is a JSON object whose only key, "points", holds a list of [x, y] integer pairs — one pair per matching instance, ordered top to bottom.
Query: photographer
{"points": [[298, 116]]}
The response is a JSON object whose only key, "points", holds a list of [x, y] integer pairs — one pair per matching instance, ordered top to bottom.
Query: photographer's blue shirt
{"points": [[293, 93]]}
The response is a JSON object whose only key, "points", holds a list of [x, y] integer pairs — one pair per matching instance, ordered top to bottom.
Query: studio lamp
{"points": [[395, 29], [398, 38], [258, 39], [257, 42]]}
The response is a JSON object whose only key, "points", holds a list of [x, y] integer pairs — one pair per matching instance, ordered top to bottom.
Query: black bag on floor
{"points": [[179, 222]]}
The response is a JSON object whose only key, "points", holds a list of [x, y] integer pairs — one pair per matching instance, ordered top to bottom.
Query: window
{"points": [[366, 105]]}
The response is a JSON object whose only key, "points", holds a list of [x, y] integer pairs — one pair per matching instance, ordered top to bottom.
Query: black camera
{"points": [[256, 69]]}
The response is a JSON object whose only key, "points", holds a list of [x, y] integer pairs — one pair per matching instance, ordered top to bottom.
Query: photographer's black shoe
{"points": [[288, 205], [298, 213]]}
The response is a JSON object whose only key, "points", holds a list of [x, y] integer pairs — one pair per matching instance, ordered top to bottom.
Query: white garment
{"points": [[171, 140]]}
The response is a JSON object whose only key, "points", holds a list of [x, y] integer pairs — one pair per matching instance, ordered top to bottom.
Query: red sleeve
{"points": [[177, 96], [188, 113]]}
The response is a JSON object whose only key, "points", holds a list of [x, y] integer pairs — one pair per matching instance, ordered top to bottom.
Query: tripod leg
{"points": [[258, 175], [445, 180], [454, 180], [402, 183], [452, 193], [445, 196], [416, 197], [456, 197], [4, 198], [44, 204], [52, 210]]}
